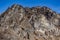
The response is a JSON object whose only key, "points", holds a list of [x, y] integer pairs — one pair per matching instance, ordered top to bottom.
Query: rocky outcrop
{"points": [[36, 23]]}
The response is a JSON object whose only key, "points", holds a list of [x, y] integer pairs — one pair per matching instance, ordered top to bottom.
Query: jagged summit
{"points": [[16, 6], [37, 9], [24, 23]]}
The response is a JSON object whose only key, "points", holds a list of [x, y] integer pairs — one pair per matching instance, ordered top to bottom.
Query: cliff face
{"points": [[36, 23]]}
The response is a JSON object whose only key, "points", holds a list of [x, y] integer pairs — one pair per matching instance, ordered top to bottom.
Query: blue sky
{"points": [[53, 4]]}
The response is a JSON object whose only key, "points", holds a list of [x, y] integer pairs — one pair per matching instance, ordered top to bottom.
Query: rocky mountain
{"points": [[24, 23]]}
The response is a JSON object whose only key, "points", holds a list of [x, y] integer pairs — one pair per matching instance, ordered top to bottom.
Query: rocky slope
{"points": [[36, 23]]}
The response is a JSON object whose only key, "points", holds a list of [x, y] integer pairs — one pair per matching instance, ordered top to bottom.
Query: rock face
{"points": [[36, 23]]}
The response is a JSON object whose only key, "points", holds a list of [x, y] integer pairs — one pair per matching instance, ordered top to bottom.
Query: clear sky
{"points": [[53, 4]]}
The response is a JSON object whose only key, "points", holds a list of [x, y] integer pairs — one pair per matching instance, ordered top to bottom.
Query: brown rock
{"points": [[36, 23]]}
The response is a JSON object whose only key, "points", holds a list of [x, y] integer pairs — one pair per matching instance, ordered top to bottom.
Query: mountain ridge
{"points": [[24, 23]]}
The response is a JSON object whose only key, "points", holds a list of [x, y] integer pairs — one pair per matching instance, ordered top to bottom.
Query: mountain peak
{"points": [[16, 5]]}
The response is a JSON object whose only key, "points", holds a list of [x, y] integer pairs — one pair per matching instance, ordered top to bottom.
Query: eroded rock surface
{"points": [[36, 23]]}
